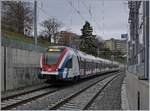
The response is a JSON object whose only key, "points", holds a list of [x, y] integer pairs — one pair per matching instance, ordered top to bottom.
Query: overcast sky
{"points": [[108, 18]]}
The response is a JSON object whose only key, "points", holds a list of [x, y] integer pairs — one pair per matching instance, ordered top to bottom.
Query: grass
{"points": [[24, 38], [44, 43], [121, 60]]}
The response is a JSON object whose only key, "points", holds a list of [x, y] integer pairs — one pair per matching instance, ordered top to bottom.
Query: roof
{"points": [[88, 57]]}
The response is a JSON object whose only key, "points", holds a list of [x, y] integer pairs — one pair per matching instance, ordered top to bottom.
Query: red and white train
{"points": [[65, 63]]}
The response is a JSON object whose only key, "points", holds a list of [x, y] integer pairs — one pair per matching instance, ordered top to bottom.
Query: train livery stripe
{"points": [[61, 57], [65, 61], [63, 71]]}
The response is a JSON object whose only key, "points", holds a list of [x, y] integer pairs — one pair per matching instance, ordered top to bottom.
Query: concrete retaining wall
{"points": [[20, 69], [137, 92]]}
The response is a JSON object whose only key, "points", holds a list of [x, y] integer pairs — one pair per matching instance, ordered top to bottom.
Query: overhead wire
{"points": [[89, 9], [77, 11], [45, 12], [103, 18]]}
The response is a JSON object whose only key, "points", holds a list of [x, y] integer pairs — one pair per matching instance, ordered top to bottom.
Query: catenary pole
{"points": [[35, 22]]}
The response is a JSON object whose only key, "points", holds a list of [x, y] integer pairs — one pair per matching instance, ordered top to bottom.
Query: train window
{"points": [[51, 57], [69, 63], [81, 64], [85, 65], [89, 65], [92, 65], [102, 65]]}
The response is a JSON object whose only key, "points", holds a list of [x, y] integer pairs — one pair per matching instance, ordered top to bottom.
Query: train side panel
{"points": [[71, 64]]}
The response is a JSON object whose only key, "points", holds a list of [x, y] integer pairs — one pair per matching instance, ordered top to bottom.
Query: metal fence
{"points": [[21, 45], [137, 69]]}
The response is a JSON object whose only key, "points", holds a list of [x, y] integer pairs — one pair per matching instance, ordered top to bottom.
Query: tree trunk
{"points": [[49, 39]]}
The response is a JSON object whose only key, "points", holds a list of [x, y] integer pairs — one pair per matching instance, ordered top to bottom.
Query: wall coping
{"points": [[144, 82]]}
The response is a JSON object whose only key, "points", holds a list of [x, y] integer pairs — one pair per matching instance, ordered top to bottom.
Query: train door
{"points": [[99, 66], [75, 68], [68, 69]]}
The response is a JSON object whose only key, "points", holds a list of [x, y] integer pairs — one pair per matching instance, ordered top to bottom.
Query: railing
{"points": [[21, 45], [137, 69]]}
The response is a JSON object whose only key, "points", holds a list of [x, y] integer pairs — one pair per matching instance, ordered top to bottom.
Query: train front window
{"points": [[51, 57]]}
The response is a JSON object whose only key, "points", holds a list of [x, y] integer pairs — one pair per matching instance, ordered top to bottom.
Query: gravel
{"points": [[23, 90], [110, 97], [51, 99], [81, 100]]}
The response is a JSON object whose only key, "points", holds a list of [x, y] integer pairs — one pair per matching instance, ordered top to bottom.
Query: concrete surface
{"points": [[21, 68], [137, 87], [124, 99]]}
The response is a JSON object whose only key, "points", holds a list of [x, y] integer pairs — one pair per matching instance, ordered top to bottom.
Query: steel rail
{"points": [[70, 97], [16, 102]]}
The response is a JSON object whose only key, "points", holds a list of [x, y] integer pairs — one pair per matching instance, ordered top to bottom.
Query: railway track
{"points": [[20, 92], [21, 98], [58, 98], [82, 99]]}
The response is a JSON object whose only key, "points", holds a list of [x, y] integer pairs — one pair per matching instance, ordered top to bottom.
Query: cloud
{"points": [[112, 14]]}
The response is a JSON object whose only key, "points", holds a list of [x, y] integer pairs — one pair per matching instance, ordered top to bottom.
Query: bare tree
{"points": [[17, 16], [50, 28]]}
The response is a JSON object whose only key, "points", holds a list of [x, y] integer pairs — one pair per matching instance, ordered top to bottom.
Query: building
{"points": [[138, 35], [69, 39], [110, 44], [116, 45], [121, 45], [137, 73]]}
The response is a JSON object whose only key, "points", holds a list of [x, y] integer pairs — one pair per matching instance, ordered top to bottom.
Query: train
{"points": [[68, 64]]}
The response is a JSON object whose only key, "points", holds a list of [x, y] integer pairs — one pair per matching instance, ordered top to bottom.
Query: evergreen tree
{"points": [[86, 30], [88, 42]]}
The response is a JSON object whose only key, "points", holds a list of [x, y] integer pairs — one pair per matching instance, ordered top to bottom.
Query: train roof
{"points": [[58, 47], [84, 56]]}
